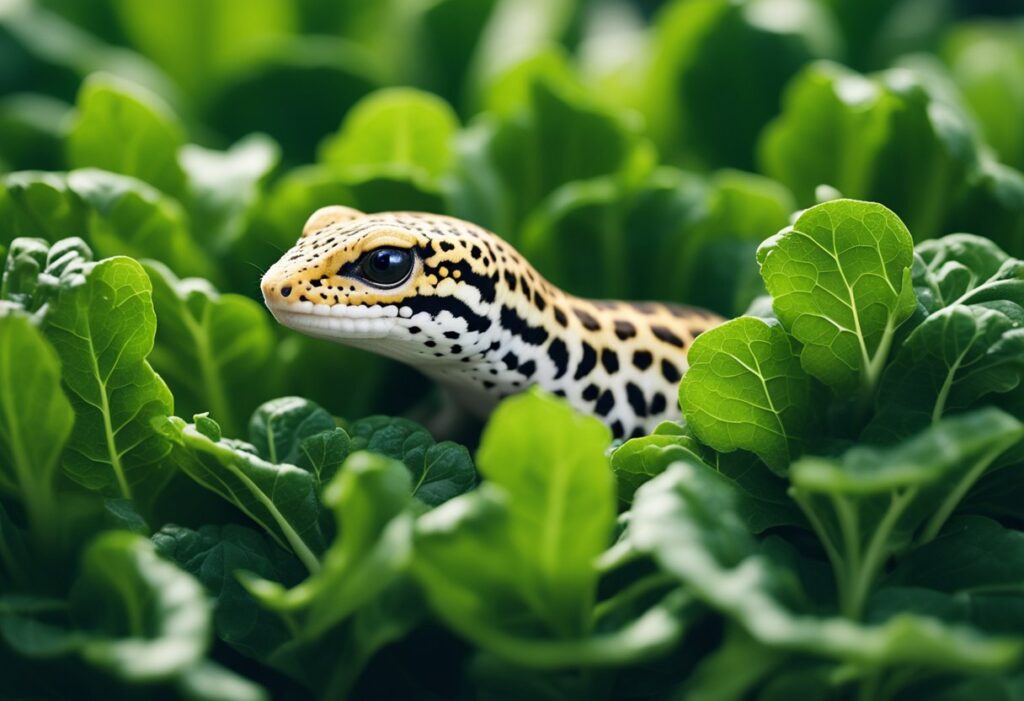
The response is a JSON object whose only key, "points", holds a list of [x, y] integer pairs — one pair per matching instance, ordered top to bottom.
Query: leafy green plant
{"points": [[836, 514]]}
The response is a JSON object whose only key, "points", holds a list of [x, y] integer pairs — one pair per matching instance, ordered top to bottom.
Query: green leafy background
{"points": [[196, 503]]}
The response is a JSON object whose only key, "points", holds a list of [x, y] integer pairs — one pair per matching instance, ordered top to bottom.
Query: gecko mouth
{"points": [[336, 321]]}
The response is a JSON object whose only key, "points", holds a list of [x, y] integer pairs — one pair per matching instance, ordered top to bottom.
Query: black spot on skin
{"points": [[447, 246], [475, 251], [510, 280], [316, 283], [526, 286], [302, 298], [539, 301], [604, 304], [434, 305], [646, 307], [560, 317], [589, 322], [517, 326], [624, 329], [414, 330], [451, 334], [665, 335], [430, 344], [495, 345], [456, 349], [559, 356], [642, 359], [511, 360], [610, 361], [587, 362], [527, 369], [670, 371], [488, 384], [590, 392], [559, 393], [635, 396], [605, 403], [658, 403], [618, 431], [637, 432]]}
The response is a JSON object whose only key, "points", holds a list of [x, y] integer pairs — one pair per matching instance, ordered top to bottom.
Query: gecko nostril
{"points": [[286, 290]]}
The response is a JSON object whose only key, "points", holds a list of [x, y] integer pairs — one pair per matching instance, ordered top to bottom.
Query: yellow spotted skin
{"points": [[476, 317]]}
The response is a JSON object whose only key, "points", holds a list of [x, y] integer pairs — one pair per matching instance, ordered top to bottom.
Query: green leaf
{"points": [[232, 34], [699, 46], [986, 60], [308, 80], [123, 128], [398, 130], [560, 137], [883, 138], [226, 186], [115, 214], [966, 269], [840, 284], [102, 325], [209, 346], [956, 357], [745, 389], [35, 421], [278, 428], [639, 459], [551, 463], [439, 471], [370, 497], [281, 498], [874, 502], [686, 519], [215, 555], [469, 566], [135, 615]]}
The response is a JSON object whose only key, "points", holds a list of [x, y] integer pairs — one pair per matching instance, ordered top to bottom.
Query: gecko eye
{"points": [[387, 266]]}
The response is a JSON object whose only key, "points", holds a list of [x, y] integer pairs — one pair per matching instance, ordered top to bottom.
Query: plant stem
{"points": [[956, 495], [875, 554]]}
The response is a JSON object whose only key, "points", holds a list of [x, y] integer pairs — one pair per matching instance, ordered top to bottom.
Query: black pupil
{"points": [[387, 266]]}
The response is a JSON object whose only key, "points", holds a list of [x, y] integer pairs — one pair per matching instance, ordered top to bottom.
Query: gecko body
{"points": [[465, 308]]}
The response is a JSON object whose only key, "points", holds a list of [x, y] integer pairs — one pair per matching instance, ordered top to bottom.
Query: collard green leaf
{"points": [[233, 33], [699, 46], [313, 80], [123, 128], [398, 130], [560, 137], [225, 186], [115, 214], [965, 269], [19, 280], [840, 283], [102, 325], [209, 346], [956, 357], [745, 389], [35, 421], [278, 427], [639, 459], [924, 459], [551, 462], [439, 471], [370, 497], [282, 498], [686, 518], [215, 555], [464, 560], [134, 614]]}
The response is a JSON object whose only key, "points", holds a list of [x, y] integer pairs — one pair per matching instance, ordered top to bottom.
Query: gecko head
{"points": [[360, 279]]}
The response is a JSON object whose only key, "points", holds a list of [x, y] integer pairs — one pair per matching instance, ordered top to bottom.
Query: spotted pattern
{"points": [[476, 317]]}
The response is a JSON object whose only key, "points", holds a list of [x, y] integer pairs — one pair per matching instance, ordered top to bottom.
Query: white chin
{"points": [[336, 323]]}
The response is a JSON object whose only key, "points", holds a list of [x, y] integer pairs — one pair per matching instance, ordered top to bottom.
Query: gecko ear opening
{"points": [[325, 216]]}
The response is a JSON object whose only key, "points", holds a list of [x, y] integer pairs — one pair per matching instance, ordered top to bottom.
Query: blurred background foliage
{"points": [[635, 149]]}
